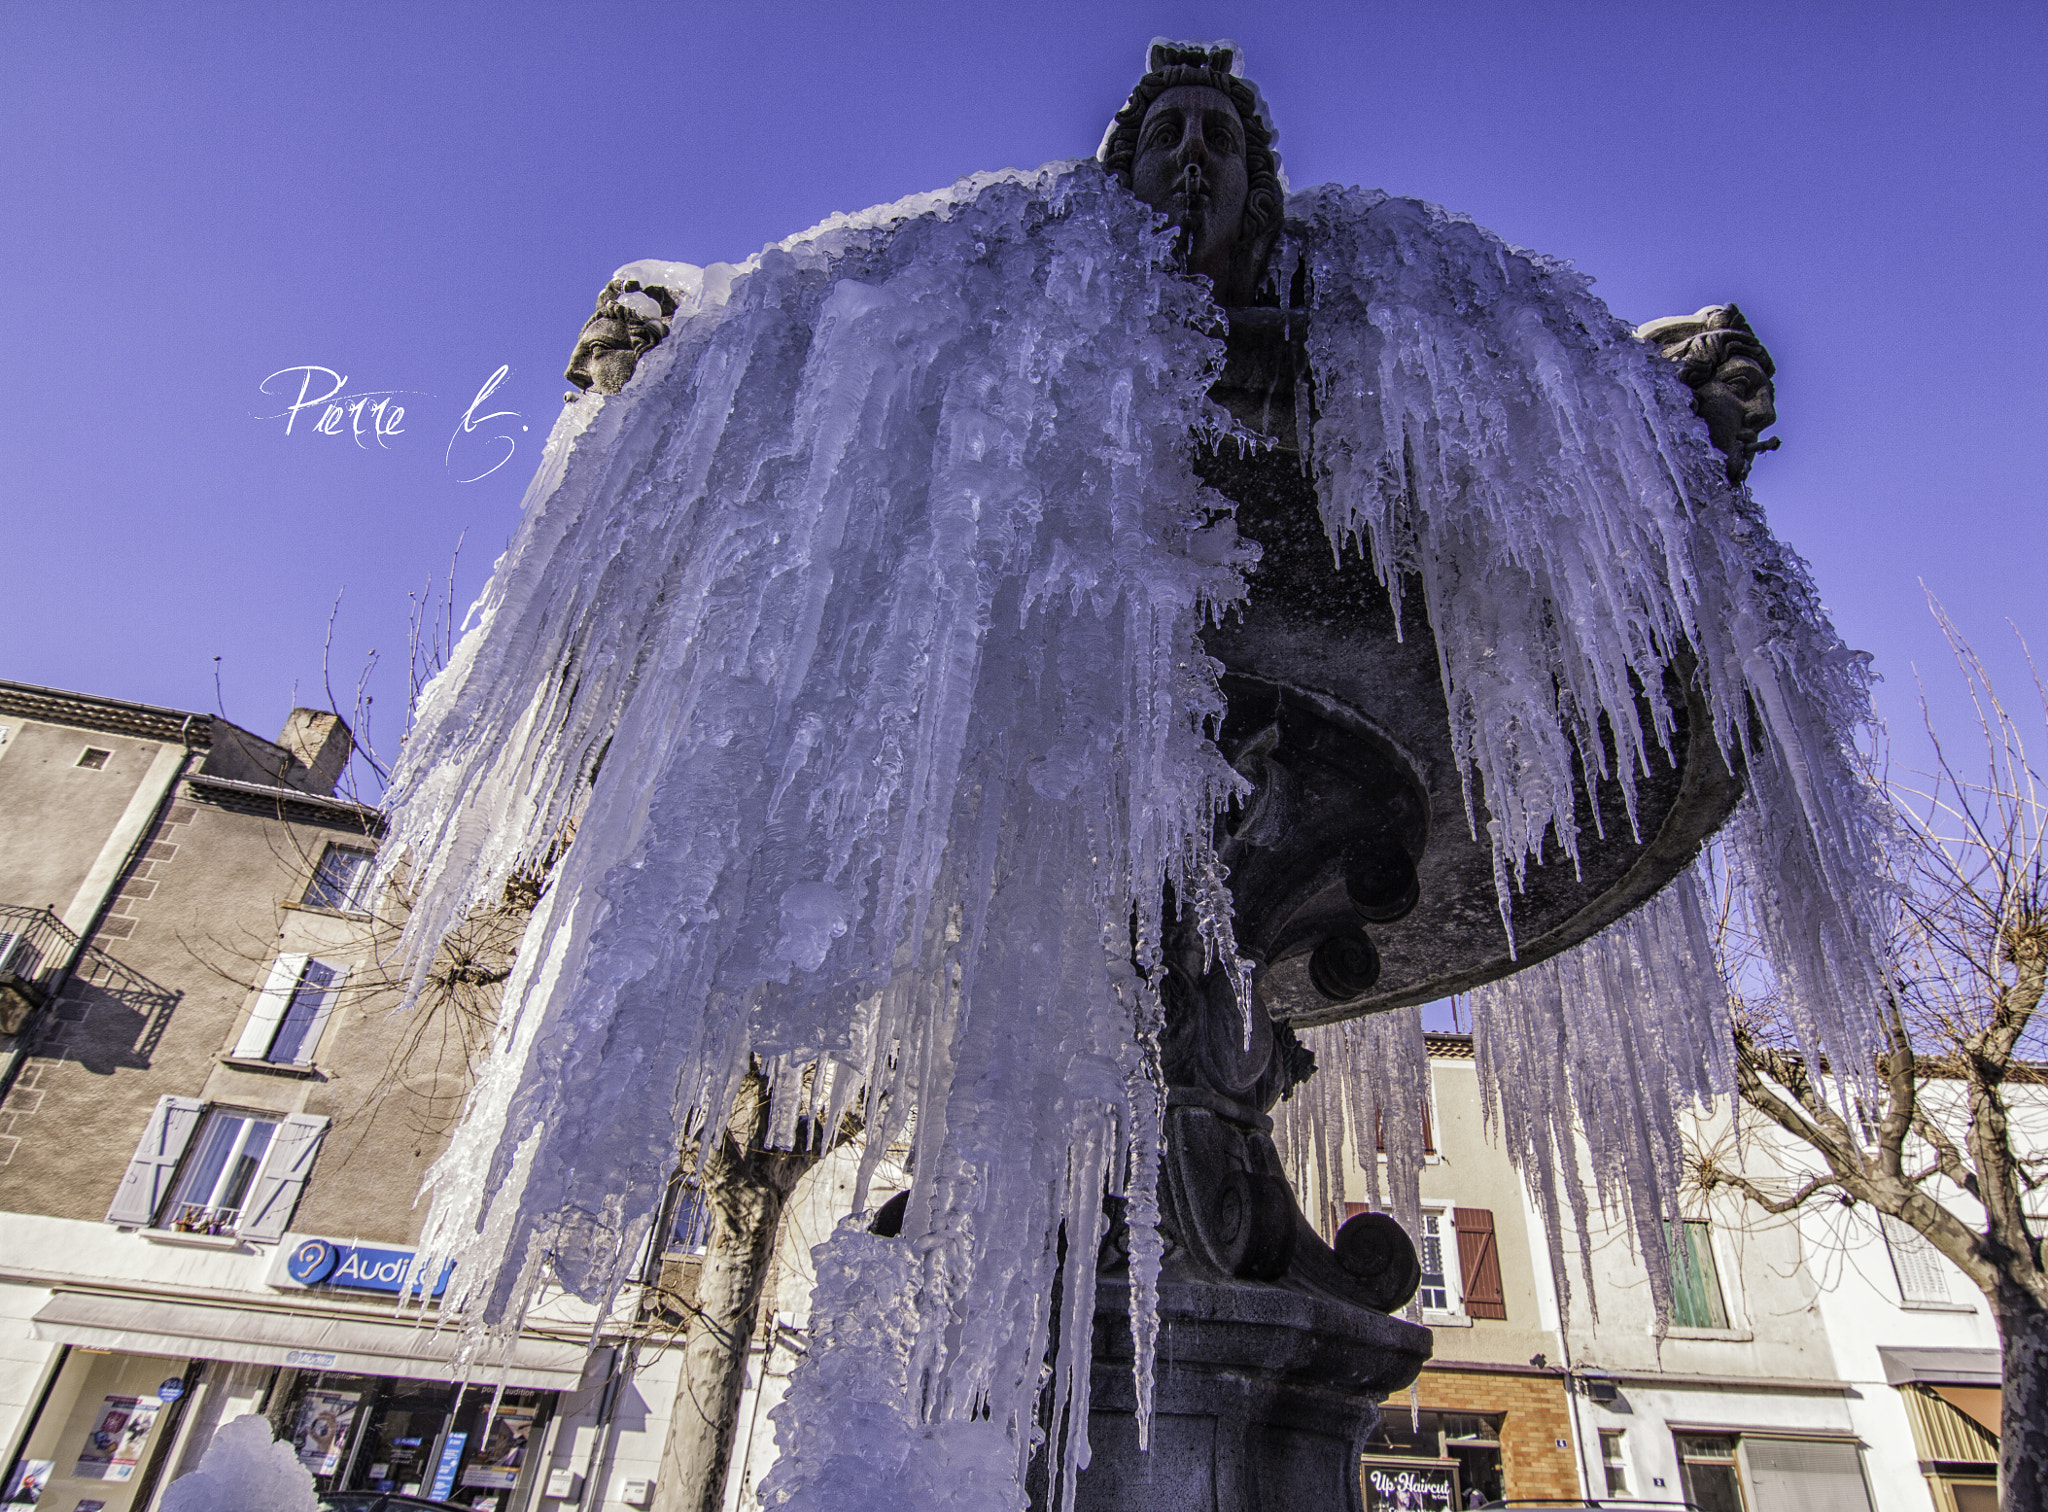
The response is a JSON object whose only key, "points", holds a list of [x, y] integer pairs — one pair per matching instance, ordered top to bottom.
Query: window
{"points": [[93, 759], [339, 880], [291, 1011], [221, 1171], [215, 1182], [691, 1225], [1917, 1264], [1695, 1283], [1435, 1293], [1472, 1439], [1614, 1460], [1706, 1464], [1726, 1472]]}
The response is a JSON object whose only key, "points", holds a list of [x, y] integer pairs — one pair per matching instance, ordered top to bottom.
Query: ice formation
{"points": [[1518, 464], [858, 640], [245, 1469]]}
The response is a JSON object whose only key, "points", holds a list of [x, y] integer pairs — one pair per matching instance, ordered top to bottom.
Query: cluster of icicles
{"points": [[859, 639]]}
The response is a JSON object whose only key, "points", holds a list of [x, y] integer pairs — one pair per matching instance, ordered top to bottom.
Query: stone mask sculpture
{"points": [[1194, 141], [625, 325], [1729, 373]]}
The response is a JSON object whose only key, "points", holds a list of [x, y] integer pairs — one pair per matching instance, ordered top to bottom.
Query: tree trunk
{"points": [[744, 1188], [2023, 1409]]}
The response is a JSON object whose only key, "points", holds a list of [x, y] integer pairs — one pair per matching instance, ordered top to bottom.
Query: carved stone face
{"points": [[1190, 165], [1739, 405]]}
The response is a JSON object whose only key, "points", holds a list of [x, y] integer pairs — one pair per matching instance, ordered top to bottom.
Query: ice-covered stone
{"points": [[858, 639], [245, 1469]]}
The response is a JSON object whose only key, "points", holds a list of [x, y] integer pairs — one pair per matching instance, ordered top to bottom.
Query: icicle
{"points": [[856, 641]]}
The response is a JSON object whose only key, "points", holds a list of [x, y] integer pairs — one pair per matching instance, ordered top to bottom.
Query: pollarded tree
{"points": [[1947, 1131]]}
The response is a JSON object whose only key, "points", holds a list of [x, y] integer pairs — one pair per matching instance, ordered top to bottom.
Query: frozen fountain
{"points": [[1007, 691]]}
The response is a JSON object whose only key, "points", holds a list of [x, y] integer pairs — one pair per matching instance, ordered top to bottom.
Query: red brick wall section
{"points": [[1536, 1416]]}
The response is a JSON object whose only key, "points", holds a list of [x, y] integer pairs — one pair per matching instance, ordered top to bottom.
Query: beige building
{"points": [[213, 1126]]}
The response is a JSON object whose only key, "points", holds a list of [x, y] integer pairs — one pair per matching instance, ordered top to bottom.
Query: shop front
{"points": [[368, 1402]]}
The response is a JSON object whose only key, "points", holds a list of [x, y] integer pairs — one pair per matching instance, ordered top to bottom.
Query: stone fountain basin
{"points": [[1323, 636]]}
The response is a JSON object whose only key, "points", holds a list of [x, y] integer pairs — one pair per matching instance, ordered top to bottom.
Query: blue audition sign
{"points": [[319, 1262], [444, 1473]]}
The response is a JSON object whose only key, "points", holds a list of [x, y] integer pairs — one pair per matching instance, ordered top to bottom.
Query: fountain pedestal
{"points": [[1264, 1398]]}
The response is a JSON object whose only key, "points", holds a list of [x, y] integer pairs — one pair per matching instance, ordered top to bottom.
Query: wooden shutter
{"points": [[271, 1003], [1379, 1131], [285, 1169], [147, 1181], [1479, 1263]]}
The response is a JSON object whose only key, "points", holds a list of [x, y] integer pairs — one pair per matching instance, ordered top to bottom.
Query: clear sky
{"points": [[198, 196]]}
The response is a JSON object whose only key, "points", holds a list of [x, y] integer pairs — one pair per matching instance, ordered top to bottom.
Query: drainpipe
{"points": [[116, 859], [625, 1362], [1571, 1401]]}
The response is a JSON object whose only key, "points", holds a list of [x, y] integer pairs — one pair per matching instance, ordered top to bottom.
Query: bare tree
{"points": [[1944, 1132], [743, 1185]]}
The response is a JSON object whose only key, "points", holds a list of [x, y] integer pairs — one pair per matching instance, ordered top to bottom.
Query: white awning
{"points": [[305, 1341], [1940, 1367]]}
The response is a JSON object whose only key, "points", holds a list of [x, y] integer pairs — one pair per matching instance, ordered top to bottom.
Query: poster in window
{"points": [[320, 1437], [114, 1446], [503, 1449], [30, 1479], [1396, 1485]]}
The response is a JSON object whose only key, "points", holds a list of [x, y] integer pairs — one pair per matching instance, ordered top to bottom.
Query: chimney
{"points": [[319, 744]]}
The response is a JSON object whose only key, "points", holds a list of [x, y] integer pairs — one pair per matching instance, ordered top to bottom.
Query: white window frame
{"points": [[352, 902], [294, 980], [150, 1191], [202, 1208], [1453, 1261], [1617, 1438]]}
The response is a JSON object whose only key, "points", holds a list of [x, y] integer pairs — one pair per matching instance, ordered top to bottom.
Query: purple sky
{"points": [[199, 196]]}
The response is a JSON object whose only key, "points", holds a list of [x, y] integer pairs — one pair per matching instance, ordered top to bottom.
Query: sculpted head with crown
{"points": [[1194, 142]]}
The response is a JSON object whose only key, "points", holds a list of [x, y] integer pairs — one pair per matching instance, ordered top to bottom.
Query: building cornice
{"points": [[115, 716], [282, 801]]}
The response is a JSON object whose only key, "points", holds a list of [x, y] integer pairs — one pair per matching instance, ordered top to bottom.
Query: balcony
{"points": [[34, 947]]}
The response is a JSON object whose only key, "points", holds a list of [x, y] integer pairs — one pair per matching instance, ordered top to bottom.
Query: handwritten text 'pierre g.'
{"points": [[371, 415]]}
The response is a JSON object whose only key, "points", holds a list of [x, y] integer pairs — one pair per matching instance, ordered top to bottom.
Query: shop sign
{"points": [[358, 1267], [172, 1388], [444, 1473], [1406, 1485]]}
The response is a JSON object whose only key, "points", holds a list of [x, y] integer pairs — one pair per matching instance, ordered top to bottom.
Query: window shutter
{"points": [[318, 988], [329, 994], [271, 1003], [292, 1150], [147, 1181], [1479, 1263], [1917, 1263]]}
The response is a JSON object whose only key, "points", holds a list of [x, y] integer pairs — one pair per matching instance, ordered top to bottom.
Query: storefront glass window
{"points": [[358, 1433]]}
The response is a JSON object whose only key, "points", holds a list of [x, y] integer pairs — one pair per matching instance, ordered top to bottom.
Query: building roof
{"points": [[116, 716]]}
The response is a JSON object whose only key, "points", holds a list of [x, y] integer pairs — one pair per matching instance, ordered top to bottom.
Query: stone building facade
{"points": [[213, 1125]]}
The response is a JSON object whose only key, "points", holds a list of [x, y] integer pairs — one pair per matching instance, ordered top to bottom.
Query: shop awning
{"points": [[305, 1341], [1940, 1367]]}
